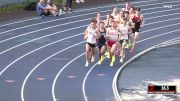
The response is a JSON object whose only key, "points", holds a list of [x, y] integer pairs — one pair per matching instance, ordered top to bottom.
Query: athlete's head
{"points": [[127, 5], [115, 10], [132, 10], [137, 10], [126, 14], [98, 15], [108, 16], [111, 18], [124, 20], [93, 22], [113, 23], [102, 25]]}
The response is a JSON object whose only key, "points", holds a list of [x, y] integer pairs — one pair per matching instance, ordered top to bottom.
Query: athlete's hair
{"points": [[138, 9], [111, 17], [94, 20], [101, 22]]}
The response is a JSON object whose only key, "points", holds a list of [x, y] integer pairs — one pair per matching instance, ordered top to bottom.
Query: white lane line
{"points": [[147, 1], [79, 11], [74, 17], [19, 21], [72, 23], [65, 31], [80, 34], [51, 44], [46, 46], [33, 52], [32, 72], [56, 77], [26, 78], [84, 82], [114, 84], [53, 87], [115, 91], [84, 94]]}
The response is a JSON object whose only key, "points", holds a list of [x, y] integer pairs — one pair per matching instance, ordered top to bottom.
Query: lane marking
{"points": [[74, 11], [73, 22], [72, 29], [34, 68], [10, 81], [114, 84]]}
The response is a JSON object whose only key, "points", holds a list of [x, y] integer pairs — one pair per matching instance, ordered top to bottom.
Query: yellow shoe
{"points": [[128, 45], [107, 54], [102, 58], [113, 58], [99, 62], [112, 64]]}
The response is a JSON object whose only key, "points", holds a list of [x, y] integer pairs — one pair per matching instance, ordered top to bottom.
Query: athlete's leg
{"points": [[136, 34], [123, 51], [87, 54], [112, 56]]}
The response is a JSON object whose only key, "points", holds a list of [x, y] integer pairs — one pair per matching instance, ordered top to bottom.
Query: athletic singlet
{"points": [[126, 10], [137, 21], [107, 24], [124, 29], [113, 34], [91, 38], [102, 39]]}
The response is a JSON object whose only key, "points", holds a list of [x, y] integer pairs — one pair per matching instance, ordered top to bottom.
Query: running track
{"points": [[42, 59]]}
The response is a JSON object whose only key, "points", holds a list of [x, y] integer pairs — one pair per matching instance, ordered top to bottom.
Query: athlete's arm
{"points": [[142, 21], [85, 34], [107, 34]]}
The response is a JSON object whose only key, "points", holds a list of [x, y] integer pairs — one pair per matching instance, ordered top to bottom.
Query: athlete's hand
{"points": [[141, 26]]}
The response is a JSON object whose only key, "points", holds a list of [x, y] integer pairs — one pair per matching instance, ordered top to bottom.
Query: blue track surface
{"points": [[44, 61]]}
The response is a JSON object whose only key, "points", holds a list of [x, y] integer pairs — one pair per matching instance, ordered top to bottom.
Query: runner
{"points": [[127, 7], [115, 13], [126, 15], [109, 18], [99, 19], [137, 21], [90, 35], [112, 37], [123, 37], [101, 42]]}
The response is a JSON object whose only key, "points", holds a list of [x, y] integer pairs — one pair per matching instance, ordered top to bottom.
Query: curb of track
{"points": [[117, 75]]}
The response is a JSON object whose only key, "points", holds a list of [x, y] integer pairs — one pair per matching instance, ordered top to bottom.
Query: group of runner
{"points": [[113, 35]]}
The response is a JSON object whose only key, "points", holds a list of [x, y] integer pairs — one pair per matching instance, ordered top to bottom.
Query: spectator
{"points": [[67, 6], [52, 7], [43, 9]]}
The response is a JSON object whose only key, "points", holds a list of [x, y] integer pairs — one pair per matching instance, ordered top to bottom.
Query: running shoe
{"points": [[128, 44], [102, 58], [113, 58], [92, 59], [121, 60], [112, 63], [87, 64]]}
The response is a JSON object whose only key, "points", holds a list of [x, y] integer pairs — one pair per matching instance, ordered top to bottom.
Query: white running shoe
{"points": [[77, 1], [82, 1], [92, 59], [121, 60], [87, 64]]}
